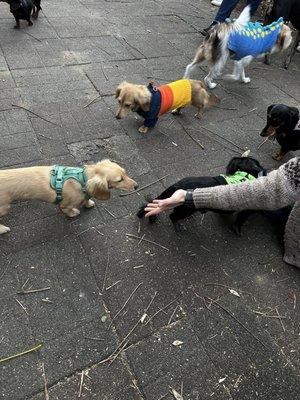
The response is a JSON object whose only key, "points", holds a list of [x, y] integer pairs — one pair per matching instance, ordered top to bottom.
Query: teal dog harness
{"points": [[60, 174], [238, 177]]}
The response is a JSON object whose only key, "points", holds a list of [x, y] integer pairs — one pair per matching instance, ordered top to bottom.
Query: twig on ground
{"points": [[29, 34], [92, 101], [226, 108], [37, 115], [44, 136], [224, 138], [195, 140], [264, 141], [144, 187], [109, 212], [141, 239], [146, 240], [138, 266], [4, 272], [105, 273], [25, 283], [111, 286], [225, 286], [33, 290], [47, 301], [124, 305], [149, 305], [21, 306], [161, 309], [172, 315], [268, 316], [280, 319], [237, 320], [94, 338], [1, 340], [118, 352], [22, 353], [45, 382], [81, 384], [181, 389]]}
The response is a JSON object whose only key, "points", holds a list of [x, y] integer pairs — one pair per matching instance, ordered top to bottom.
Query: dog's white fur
{"points": [[223, 30], [33, 183]]}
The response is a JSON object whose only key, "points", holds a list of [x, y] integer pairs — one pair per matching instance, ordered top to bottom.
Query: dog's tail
{"points": [[243, 19]]}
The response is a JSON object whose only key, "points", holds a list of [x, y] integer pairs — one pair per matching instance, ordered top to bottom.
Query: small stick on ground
{"points": [[29, 34], [92, 101], [226, 108], [37, 115], [44, 136], [224, 138], [195, 140], [263, 142], [144, 187], [109, 212], [141, 239], [146, 240], [4, 272], [105, 274], [25, 283], [111, 286], [227, 287], [33, 290], [47, 301], [151, 301], [124, 305], [21, 306], [161, 309], [173, 313], [268, 316], [280, 319], [237, 320], [94, 338], [1, 340], [35, 348], [45, 382], [81, 384]]}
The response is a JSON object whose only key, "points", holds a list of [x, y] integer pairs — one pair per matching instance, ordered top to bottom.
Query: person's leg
{"points": [[254, 5], [225, 10]]}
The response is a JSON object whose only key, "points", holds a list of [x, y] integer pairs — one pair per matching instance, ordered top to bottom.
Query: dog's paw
{"points": [[246, 80], [211, 85], [143, 129], [89, 203], [73, 213], [4, 229]]}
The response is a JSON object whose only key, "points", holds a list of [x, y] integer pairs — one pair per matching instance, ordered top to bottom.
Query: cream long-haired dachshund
{"points": [[241, 40], [151, 102], [69, 187]]}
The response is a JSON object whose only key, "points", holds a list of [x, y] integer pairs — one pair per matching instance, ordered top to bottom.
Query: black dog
{"points": [[22, 9], [283, 125], [248, 165]]}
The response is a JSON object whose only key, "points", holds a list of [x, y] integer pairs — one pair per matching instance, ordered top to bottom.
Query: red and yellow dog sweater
{"points": [[165, 98]]}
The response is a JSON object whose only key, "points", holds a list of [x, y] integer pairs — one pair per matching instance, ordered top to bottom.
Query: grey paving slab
{"points": [[76, 51]]}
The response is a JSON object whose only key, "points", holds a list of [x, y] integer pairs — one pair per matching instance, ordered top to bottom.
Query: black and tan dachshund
{"points": [[24, 9], [283, 125], [237, 164]]}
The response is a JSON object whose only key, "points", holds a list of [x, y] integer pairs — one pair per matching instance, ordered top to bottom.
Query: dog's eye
{"points": [[127, 105]]}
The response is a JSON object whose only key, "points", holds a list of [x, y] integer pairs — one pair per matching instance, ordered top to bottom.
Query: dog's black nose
{"points": [[118, 117], [136, 186]]}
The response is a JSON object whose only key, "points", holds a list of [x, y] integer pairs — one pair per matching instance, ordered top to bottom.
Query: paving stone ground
{"points": [[76, 51]]}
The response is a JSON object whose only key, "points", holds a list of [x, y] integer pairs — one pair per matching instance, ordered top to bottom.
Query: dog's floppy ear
{"points": [[119, 88], [142, 98], [269, 109], [98, 187]]}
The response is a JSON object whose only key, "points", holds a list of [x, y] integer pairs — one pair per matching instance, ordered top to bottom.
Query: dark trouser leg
{"points": [[228, 6], [17, 26]]}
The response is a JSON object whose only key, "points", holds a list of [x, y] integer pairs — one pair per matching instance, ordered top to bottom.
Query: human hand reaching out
{"points": [[159, 206]]}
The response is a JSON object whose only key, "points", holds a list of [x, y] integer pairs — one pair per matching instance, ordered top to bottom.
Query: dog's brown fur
{"points": [[131, 97], [33, 183]]}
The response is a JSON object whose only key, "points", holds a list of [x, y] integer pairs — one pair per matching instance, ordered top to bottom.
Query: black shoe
{"points": [[206, 31]]}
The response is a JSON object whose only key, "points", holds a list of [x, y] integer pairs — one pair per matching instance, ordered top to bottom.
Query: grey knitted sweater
{"points": [[279, 188]]}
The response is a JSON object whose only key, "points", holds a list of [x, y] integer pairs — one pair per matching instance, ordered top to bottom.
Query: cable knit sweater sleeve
{"points": [[278, 189]]}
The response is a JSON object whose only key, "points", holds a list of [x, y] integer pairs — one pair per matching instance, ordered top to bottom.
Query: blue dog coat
{"points": [[254, 39]]}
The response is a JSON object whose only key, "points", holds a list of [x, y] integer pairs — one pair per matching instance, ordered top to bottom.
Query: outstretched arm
{"points": [[280, 188]]}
